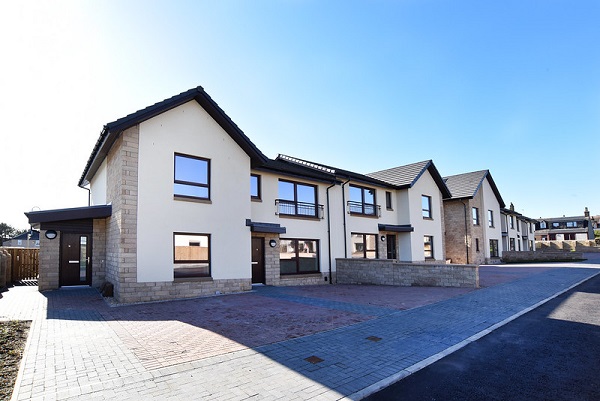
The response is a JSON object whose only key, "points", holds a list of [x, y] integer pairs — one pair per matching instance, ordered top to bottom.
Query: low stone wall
{"points": [[580, 246], [545, 256], [390, 272]]}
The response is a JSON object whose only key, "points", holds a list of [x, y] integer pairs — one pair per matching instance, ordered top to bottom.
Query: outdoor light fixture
{"points": [[51, 234], [383, 238], [272, 243]]}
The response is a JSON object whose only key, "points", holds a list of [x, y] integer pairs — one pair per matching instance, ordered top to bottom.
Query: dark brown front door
{"points": [[391, 247], [75, 252], [258, 260]]}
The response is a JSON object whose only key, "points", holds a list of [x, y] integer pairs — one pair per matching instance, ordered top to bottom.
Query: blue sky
{"points": [[511, 86]]}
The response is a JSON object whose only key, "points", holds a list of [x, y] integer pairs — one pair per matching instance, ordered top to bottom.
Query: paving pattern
{"points": [[299, 343]]}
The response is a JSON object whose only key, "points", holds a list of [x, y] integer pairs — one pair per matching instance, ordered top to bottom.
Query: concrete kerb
{"points": [[19, 378], [380, 385]]}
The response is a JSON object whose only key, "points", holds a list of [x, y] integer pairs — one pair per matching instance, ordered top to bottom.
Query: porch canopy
{"points": [[45, 218], [403, 228]]}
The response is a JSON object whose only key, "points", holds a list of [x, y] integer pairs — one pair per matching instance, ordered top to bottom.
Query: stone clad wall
{"points": [[580, 245], [546, 256], [389, 272], [48, 278]]}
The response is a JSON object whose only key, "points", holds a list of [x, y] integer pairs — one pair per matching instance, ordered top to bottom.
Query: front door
{"points": [[391, 247], [75, 252], [258, 260]]}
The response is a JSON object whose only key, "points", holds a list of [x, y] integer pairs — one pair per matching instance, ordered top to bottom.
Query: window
{"points": [[192, 177], [255, 186], [296, 199], [362, 200], [388, 200], [426, 206], [475, 212], [490, 218], [512, 223], [571, 224], [542, 225], [555, 225], [477, 244], [512, 244], [364, 246], [428, 246], [494, 248], [191, 255], [298, 256]]}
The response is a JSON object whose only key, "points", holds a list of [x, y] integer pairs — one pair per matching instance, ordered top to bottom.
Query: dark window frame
{"points": [[192, 183], [258, 187], [388, 200], [296, 204], [364, 206], [427, 213], [475, 215], [490, 218], [430, 242], [365, 249], [494, 251], [297, 252], [207, 261]]}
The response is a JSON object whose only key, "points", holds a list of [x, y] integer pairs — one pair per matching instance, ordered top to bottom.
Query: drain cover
{"points": [[374, 339], [313, 359]]}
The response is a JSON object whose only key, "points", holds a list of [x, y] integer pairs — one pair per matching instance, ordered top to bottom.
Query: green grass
{"points": [[13, 335]]}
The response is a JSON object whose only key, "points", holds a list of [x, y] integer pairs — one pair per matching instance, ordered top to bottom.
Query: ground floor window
{"points": [[512, 244], [364, 246], [428, 246], [494, 248], [191, 255], [298, 256]]}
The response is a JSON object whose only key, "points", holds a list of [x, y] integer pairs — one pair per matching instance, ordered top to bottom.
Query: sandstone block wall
{"points": [[545, 256], [388, 272]]}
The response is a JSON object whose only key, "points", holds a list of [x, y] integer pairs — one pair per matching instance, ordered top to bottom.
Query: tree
{"points": [[7, 232]]}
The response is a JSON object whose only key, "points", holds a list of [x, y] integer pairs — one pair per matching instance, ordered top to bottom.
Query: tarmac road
{"points": [[550, 353]]}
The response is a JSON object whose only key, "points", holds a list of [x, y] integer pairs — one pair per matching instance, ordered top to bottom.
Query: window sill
{"points": [[193, 200], [256, 200], [428, 218], [191, 279]]}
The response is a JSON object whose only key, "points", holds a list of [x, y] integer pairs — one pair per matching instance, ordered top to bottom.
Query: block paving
{"points": [[298, 343]]}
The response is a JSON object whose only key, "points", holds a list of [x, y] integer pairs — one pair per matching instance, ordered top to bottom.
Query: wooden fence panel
{"points": [[25, 263]]}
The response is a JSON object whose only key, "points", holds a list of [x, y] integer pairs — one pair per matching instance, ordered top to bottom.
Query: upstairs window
{"points": [[192, 177], [255, 186], [297, 199], [388, 200], [362, 201], [426, 206], [475, 212], [490, 218], [512, 222]]}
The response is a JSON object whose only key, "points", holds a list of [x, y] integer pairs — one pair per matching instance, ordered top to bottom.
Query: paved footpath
{"points": [[76, 353]]}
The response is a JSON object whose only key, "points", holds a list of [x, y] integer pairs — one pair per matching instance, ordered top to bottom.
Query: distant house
{"points": [[184, 205], [565, 228], [473, 230], [518, 231], [28, 239]]}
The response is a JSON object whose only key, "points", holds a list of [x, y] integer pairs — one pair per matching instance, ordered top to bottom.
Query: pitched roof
{"points": [[112, 130], [306, 169], [406, 176], [466, 185], [35, 235]]}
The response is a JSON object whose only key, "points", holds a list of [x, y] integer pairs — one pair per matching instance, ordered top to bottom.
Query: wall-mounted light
{"points": [[51, 234], [382, 238], [272, 243]]}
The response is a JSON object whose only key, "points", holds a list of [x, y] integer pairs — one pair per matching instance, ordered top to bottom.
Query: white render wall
{"points": [[188, 129], [98, 186], [490, 202]]}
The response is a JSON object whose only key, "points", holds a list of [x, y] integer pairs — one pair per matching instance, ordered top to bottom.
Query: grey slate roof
{"points": [[112, 130], [406, 176], [466, 185]]}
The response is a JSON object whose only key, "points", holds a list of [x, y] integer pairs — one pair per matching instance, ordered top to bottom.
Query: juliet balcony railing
{"points": [[298, 209], [365, 209]]}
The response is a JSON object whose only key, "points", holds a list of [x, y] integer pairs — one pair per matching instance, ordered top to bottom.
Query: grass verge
{"points": [[13, 335]]}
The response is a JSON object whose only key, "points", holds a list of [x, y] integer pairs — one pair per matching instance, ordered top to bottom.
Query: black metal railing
{"points": [[299, 209], [367, 209]]}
